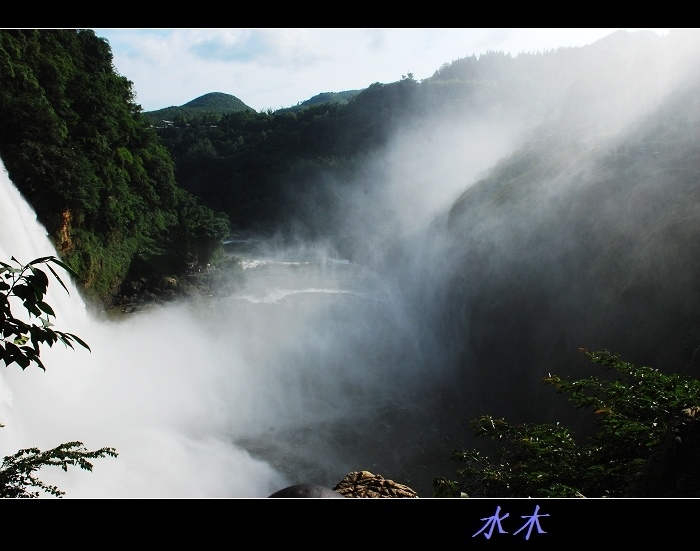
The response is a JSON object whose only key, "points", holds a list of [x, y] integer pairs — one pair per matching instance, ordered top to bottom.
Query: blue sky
{"points": [[280, 67]]}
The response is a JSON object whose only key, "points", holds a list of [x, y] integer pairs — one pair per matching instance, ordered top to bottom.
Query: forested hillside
{"points": [[324, 97], [80, 150], [256, 166]]}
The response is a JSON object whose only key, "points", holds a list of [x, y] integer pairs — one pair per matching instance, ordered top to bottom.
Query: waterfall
{"points": [[22, 236], [145, 388]]}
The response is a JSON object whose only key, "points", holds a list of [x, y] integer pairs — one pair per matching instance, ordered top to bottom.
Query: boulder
{"points": [[366, 484]]}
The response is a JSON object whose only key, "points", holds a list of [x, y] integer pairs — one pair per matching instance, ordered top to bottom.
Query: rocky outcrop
{"points": [[63, 241], [366, 484]]}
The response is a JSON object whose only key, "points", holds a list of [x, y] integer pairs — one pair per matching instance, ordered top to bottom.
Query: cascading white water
{"points": [[22, 237], [303, 375], [149, 387]]}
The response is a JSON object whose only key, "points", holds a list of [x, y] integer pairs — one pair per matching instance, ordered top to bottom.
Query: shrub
{"points": [[632, 411]]}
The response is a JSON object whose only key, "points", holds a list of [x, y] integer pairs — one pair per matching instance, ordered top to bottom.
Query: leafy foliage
{"points": [[20, 340], [20, 343], [633, 411], [17, 471]]}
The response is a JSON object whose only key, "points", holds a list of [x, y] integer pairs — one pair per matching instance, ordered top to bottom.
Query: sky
{"points": [[272, 68]]}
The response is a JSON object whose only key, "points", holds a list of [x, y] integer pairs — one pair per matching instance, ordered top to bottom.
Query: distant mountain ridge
{"points": [[219, 103]]}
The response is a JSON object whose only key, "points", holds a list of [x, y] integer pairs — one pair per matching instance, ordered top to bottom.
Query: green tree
{"points": [[20, 343], [633, 411]]}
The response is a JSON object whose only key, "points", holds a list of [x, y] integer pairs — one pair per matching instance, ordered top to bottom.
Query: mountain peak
{"points": [[217, 101]]}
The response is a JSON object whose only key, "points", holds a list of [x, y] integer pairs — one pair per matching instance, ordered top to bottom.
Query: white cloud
{"points": [[280, 67]]}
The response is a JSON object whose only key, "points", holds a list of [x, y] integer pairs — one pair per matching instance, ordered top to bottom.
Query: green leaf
{"points": [[56, 275], [46, 308], [80, 341]]}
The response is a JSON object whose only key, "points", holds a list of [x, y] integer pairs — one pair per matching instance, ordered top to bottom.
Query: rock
{"points": [[366, 484]]}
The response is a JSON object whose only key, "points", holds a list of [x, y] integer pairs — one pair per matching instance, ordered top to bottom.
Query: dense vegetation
{"points": [[82, 153], [254, 166]]}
